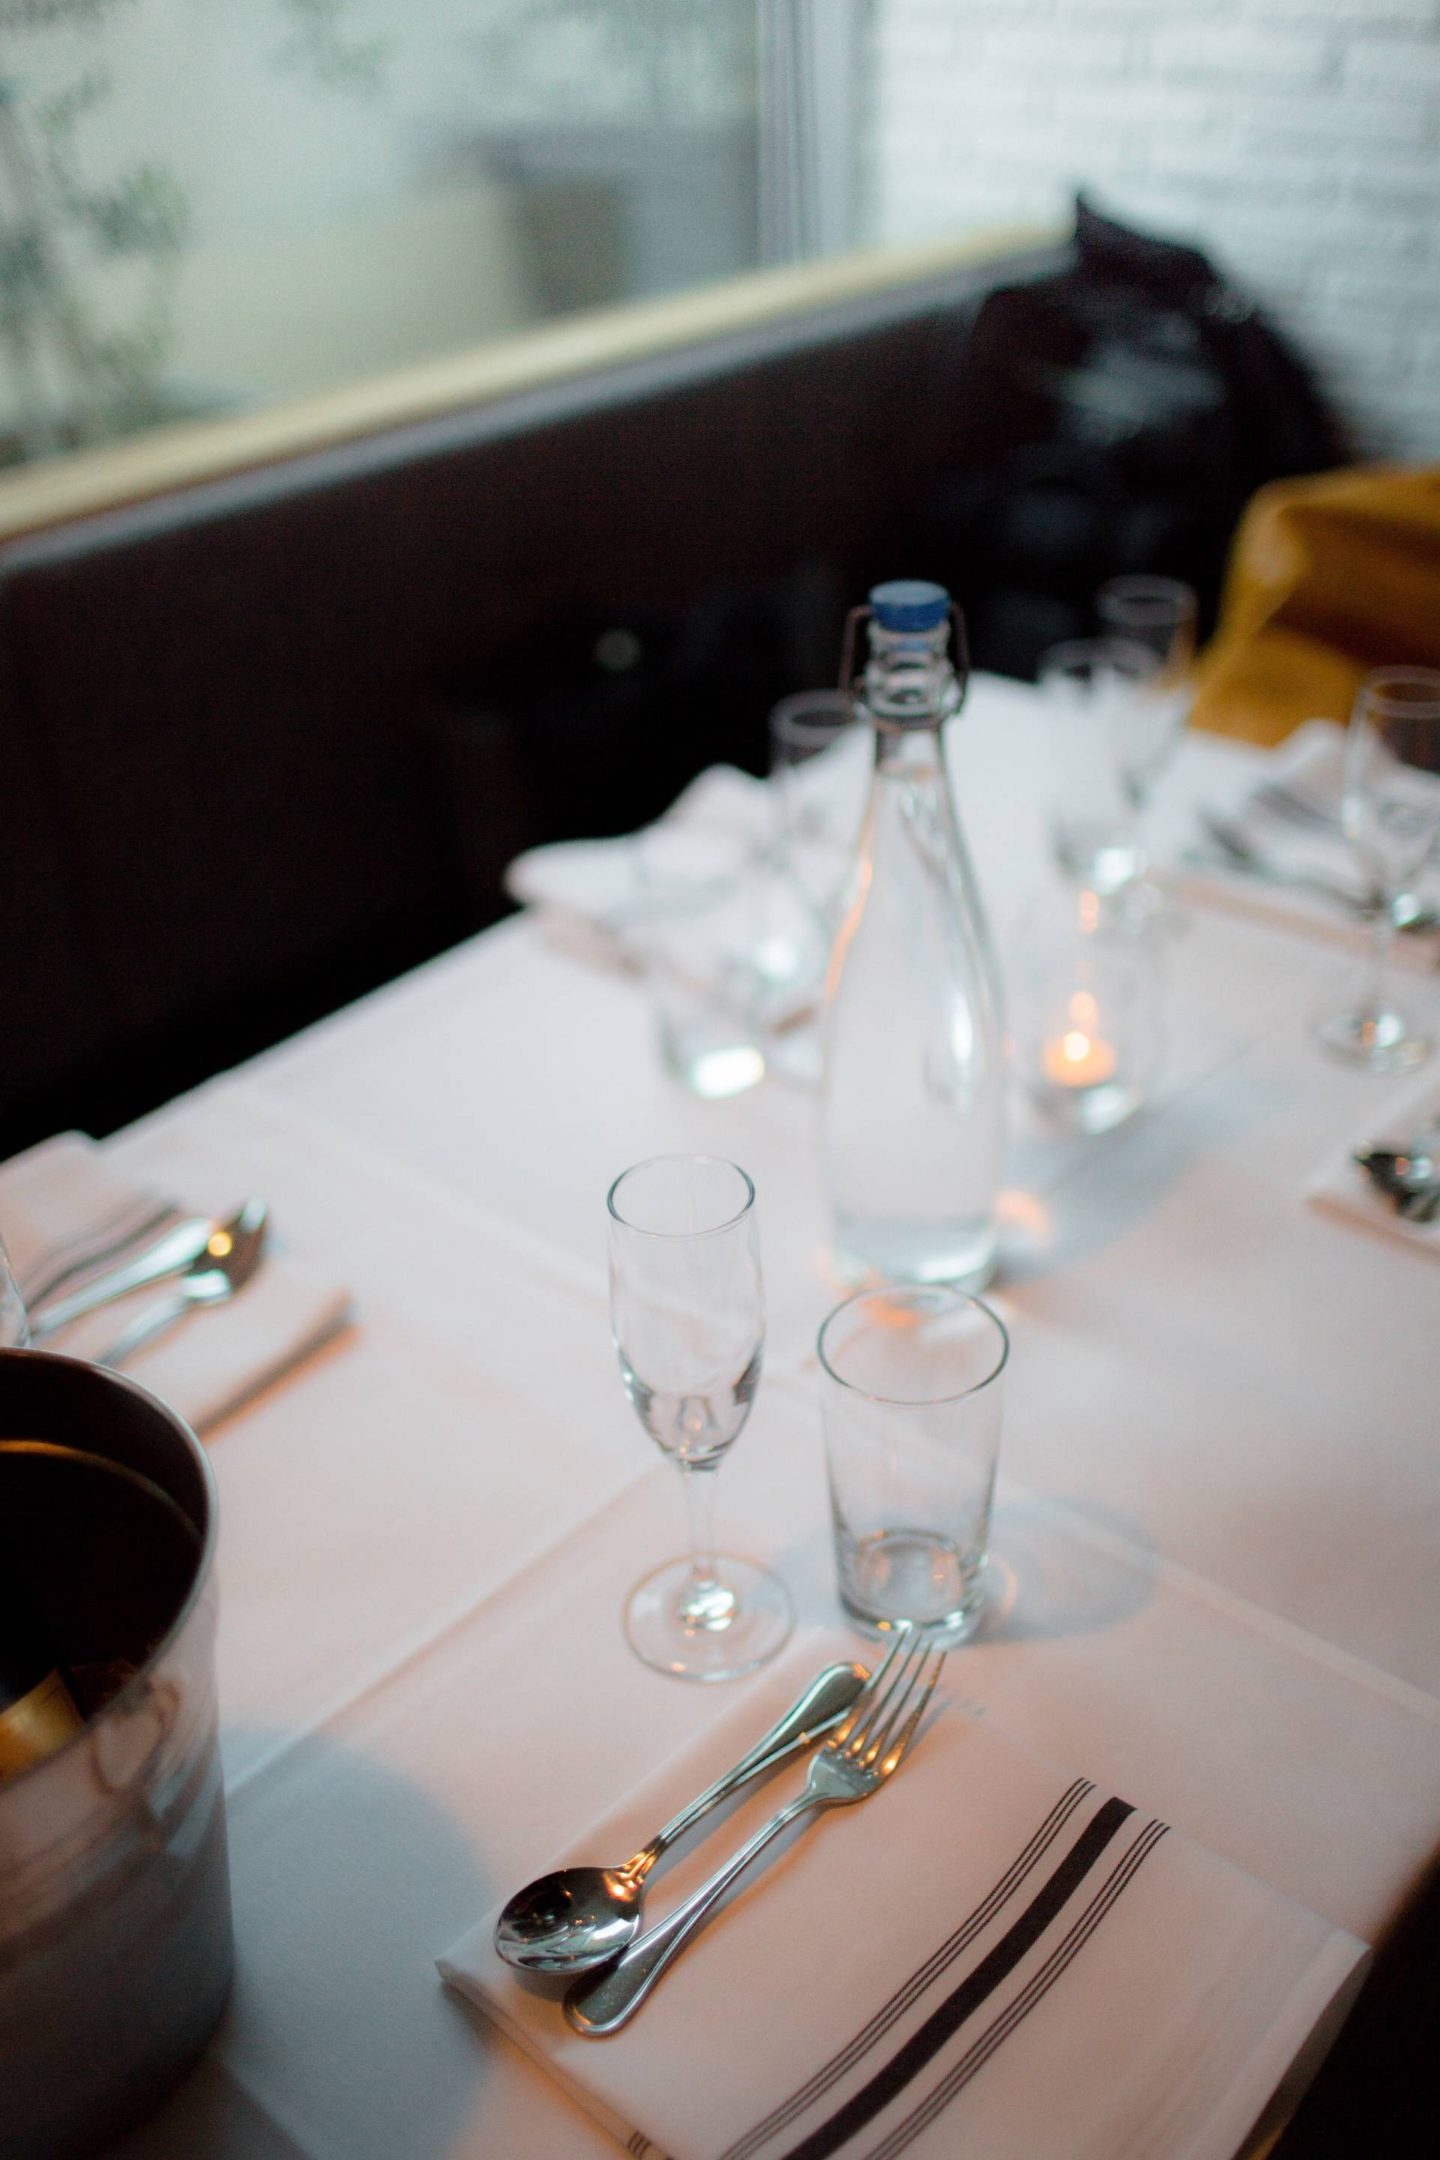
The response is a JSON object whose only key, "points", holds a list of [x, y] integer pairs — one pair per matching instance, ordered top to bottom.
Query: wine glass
{"points": [[1390, 811], [688, 1309]]}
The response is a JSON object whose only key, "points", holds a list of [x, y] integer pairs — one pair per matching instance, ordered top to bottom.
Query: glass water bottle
{"points": [[912, 1104]]}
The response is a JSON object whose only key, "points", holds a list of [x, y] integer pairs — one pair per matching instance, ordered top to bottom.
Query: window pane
{"points": [[210, 205]]}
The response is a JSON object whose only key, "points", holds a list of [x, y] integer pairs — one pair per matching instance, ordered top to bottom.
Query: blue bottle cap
{"points": [[909, 604]]}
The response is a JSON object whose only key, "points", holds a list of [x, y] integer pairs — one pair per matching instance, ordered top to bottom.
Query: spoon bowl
{"points": [[1410, 1175]]}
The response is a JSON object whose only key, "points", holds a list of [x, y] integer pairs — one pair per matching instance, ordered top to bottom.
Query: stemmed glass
{"points": [[1160, 614], [1390, 811], [688, 1308]]}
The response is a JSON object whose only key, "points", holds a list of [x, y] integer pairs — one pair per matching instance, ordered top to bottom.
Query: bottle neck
{"points": [[909, 680], [912, 752]]}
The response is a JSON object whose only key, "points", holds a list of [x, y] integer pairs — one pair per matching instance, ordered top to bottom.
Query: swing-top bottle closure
{"points": [[911, 677]]}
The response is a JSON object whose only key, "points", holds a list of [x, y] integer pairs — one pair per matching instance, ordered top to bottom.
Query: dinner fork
{"points": [[854, 1763]]}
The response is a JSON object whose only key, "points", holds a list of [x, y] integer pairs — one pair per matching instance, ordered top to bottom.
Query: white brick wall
{"points": [[1296, 141]]}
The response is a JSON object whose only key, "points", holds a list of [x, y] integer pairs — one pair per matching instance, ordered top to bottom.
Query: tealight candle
{"points": [[1080, 1057], [1075, 1060]]}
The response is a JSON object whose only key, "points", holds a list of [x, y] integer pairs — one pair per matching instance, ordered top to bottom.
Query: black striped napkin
{"points": [[990, 1958]]}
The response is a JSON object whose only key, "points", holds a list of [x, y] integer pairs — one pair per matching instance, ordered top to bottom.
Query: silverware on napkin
{"points": [[1234, 850], [126, 1229], [176, 1249], [225, 1264], [860, 1755], [577, 1918]]}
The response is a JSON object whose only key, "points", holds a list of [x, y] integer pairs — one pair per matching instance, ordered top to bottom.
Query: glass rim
{"points": [[1149, 593], [1066, 661], [1374, 693], [812, 716], [652, 1162], [897, 1290]]}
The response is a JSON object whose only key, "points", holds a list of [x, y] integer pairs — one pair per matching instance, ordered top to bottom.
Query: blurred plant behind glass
{"points": [[84, 355]]}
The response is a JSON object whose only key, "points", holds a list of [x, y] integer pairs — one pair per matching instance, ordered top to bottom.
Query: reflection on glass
{"points": [[213, 207]]}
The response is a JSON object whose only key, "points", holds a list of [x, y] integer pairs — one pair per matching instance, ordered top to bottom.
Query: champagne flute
{"points": [[1390, 812], [688, 1308]]}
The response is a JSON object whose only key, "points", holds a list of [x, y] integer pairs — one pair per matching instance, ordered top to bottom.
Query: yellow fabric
{"points": [[1328, 578]]}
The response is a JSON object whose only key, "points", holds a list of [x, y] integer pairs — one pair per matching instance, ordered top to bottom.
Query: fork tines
{"points": [[903, 1682]]}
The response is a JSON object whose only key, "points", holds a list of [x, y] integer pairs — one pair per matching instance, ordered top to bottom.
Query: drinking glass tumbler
{"points": [[1160, 614], [1097, 695], [820, 773], [695, 934], [688, 1309], [912, 1398]]}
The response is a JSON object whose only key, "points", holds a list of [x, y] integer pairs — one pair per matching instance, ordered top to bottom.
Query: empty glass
{"points": [[1160, 614], [1097, 694], [820, 767], [819, 772], [1390, 811], [696, 939], [688, 1310], [912, 1399]]}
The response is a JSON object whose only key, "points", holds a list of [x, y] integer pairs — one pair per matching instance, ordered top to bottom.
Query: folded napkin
{"points": [[1308, 769], [596, 892], [715, 902], [1341, 1188], [210, 1362], [989, 1958]]}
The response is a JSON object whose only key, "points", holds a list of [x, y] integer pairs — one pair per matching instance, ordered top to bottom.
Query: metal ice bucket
{"points": [[115, 1941]]}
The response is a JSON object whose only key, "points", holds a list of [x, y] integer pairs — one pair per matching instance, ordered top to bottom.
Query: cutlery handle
{"points": [[87, 1255], [171, 1256], [152, 1322], [819, 1710], [607, 2001]]}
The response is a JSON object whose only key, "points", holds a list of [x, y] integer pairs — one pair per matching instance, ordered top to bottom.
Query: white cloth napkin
{"points": [[1309, 767], [594, 892], [712, 902], [1340, 1188], [211, 1361], [988, 1958]]}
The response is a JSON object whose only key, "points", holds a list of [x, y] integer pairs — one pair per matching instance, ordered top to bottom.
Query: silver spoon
{"points": [[1410, 1176], [230, 1257], [580, 1917]]}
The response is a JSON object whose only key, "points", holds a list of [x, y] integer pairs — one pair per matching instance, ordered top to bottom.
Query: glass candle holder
{"points": [[1087, 992]]}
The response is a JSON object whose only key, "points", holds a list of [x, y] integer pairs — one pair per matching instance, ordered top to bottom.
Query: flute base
{"points": [[1377, 1038], [733, 1625]]}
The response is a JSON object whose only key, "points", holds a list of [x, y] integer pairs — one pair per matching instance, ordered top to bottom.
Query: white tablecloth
{"points": [[1216, 1540]]}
